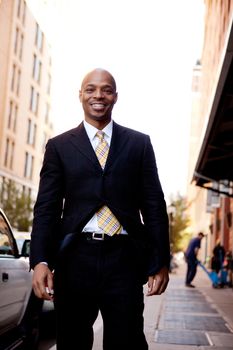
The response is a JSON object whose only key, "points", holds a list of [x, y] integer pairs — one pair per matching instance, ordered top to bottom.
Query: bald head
{"points": [[98, 72], [98, 96]]}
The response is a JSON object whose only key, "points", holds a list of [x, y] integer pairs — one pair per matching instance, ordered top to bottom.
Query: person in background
{"points": [[100, 222], [218, 257], [191, 259], [217, 264], [229, 267]]}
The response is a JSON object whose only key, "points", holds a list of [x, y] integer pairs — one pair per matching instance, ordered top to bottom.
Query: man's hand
{"points": [[42, 282], [157, 284]]}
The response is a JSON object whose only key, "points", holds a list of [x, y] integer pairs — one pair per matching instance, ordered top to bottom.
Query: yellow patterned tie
{"points": [[105, 218]]}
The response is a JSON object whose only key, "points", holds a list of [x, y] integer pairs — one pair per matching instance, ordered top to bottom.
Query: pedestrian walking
{"points": [[100, 227], [191, 259]]}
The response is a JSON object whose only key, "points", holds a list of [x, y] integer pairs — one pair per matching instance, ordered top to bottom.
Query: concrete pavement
{"points": [[190, 318]]}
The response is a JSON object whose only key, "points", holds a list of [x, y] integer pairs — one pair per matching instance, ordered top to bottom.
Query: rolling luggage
{"points": [[213, 276]]}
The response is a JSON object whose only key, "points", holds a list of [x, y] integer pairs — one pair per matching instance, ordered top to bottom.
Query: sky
{"points": [[150, 47]]}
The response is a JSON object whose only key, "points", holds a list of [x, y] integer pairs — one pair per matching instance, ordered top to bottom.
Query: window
{"points": [[19, 8], [24, 12], [39, 38], [16, 40], [18, 44], [21, 47], [34, 65], [36, 73], [13, 78], [18, 81], [49, 84], [34, 100], [47, 110], [12, 116], [15, 118], [31, 135], [45, 138], [6, 152], [9, 154], [12, 155], [28, 168], [3, 190], [213, 199], [6, 244]]}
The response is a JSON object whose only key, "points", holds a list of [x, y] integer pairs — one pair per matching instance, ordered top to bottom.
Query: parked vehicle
{"points": [[23, 243], [19, 308], [47, 315]]}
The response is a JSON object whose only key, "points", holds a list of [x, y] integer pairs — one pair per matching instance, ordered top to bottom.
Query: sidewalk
{"points": [[190, 318]]}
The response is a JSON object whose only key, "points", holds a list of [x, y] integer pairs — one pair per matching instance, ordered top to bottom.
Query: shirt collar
{"points": [[91, 130]]}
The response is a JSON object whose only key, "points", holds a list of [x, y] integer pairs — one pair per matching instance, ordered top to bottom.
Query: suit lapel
{"points": [[81, 141], [118, 141]]}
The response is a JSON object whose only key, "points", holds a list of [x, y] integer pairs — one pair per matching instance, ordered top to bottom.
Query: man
{"points": [[88, 226], [218, 257], [191, 259]]}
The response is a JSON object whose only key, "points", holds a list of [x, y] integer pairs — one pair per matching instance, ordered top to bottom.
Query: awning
{"points": [[215, 161]]}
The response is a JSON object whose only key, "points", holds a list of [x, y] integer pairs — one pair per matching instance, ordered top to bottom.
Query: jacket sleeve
{"points": [[48, 207], [154, 212]]}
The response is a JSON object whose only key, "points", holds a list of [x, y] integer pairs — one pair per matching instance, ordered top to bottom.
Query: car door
{"points": [[15, 279]]}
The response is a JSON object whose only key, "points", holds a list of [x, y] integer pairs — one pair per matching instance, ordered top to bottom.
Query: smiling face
{"points": [[98, 96]]}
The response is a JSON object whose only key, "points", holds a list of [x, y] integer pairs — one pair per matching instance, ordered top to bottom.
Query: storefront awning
{"points": [[215, 161]]}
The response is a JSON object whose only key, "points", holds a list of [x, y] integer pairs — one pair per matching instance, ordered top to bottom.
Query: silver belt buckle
{"points": [[98, 238]]}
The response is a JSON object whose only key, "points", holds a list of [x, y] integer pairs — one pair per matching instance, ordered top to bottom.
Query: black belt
{"points": [[95, 236]]}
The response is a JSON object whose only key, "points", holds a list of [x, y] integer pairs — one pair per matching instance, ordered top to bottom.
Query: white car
{"points": [[23, 243], [19, 308]]}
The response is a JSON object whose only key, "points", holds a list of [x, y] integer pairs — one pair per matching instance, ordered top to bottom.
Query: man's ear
{"points": [[80, 95], [116, 97]]}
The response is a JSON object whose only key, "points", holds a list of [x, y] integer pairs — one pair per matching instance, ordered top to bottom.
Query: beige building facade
{"points": [[25, 95], [197, 197]]}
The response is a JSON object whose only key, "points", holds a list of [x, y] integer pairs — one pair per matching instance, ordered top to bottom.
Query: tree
{"points": [[17, 205], [178, 223]]}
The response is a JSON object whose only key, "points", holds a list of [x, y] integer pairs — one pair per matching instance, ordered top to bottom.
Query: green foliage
{"points": [[17, 205], [179, 223]]}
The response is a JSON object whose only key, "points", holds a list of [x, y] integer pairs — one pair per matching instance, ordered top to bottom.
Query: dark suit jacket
{"points": [[73, 187]]}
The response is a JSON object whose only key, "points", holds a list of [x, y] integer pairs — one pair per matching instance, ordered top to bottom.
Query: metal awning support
{"points": [[208, 185]]}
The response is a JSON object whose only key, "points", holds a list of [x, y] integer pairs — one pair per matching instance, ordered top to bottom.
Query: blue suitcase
{"points": [[213, 276]]}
